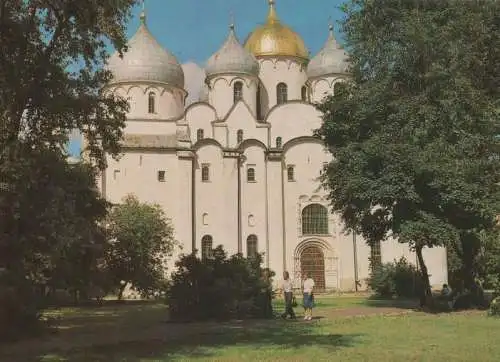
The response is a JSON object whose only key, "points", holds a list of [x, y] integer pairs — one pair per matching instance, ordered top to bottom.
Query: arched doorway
{"points": [[312, 261]]}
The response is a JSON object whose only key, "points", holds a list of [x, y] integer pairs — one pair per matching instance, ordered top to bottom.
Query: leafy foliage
{"points": [[52, 55], [52, 72], [412, 133], [49, 217], [141, 239], [487, 264], [399, 279], [220, 288], [495, 307]]}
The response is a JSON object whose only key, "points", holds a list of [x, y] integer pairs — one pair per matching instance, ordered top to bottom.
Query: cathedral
{"points": [[239, 166]]}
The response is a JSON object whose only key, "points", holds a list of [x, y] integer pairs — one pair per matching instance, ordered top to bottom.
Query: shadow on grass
{"points": [[398, 303], [208, 342]]}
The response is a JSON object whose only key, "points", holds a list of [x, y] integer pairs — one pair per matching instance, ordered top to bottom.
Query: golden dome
{"points": [[275, 39]]}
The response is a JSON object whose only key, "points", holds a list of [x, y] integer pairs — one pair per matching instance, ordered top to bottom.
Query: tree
{"points": [[52, 57], [52, 74], [412, 134], [50, 215], [140, 239]]}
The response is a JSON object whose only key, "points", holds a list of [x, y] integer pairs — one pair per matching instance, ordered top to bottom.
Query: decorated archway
{"points": [[316, 257], [312, 264]]}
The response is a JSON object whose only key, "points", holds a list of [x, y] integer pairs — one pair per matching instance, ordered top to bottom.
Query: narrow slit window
{"points": [[237, 91], [281, 93], [151, 103], [200, 134], [290, 172], [205, 173], [251, 174]]}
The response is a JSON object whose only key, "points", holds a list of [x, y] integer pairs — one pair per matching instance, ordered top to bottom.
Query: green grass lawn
{"points": [[139, 332]]}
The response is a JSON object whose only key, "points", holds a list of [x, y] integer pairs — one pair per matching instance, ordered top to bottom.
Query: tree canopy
{"points": [[52, 57], [52, 72], [413, 132], [140, 239]]}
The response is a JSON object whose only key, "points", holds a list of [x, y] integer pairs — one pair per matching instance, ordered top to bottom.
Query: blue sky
{"points": [[194, 29]]}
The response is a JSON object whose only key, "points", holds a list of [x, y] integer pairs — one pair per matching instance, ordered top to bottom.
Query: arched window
{"points": [[237, 91], [281, 93], [303, 93], [151, 102], [200, 134], [239, 136], [278, 142], [205, 173], [290, 173], [251, 174], [315, 220], [252, 246], [206, 247], [375, 254]]}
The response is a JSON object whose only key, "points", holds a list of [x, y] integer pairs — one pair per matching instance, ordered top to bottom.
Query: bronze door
{"points": [[312, 261]]}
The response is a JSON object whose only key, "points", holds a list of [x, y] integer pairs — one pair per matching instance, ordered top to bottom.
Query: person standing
{"points": [[287, 287], [308, 297]]}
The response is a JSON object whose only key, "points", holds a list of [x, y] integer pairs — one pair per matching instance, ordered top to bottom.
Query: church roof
{"points": [[274, 38], [232, 58], [331, 59], [146, 60], [149, 141]]}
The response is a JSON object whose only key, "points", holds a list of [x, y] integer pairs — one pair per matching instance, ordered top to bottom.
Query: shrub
{"points": [[399, 278], [219, 288], [495, 307], [19, 312]]}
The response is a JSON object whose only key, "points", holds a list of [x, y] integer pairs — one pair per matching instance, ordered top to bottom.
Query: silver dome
{"points": [[232, 58], [331, 59], [146, 60]]}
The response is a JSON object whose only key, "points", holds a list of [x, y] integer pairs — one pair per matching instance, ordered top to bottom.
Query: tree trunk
{"points": [[471, 247], [426, 294]]}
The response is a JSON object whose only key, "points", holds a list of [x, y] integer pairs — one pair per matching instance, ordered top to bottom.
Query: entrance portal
{"points": [[312, 262]]}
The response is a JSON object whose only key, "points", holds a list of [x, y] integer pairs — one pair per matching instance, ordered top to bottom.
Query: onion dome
{"points": [[276, 39], [232, 58], [331, 59], [146, 61]]}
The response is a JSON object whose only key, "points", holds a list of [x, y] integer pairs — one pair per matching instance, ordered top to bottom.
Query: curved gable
{"points": [[199, 116], [293, 120]]}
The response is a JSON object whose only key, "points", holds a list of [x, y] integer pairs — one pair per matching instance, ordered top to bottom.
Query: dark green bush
{"points": [[400, 279], [219, 288], [495, 307], [19, 312]]}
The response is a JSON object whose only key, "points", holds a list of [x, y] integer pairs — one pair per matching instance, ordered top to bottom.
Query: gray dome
{"points": [[232, 58], [332, 59], [146, 60]]}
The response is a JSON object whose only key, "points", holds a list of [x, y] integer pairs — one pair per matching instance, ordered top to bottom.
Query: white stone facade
{"points": [[242, 170]]}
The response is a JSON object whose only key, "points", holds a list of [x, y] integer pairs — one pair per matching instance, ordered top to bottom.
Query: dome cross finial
{"points": [[143, 12], [272, 17], [231, 20], [330, 25]]}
